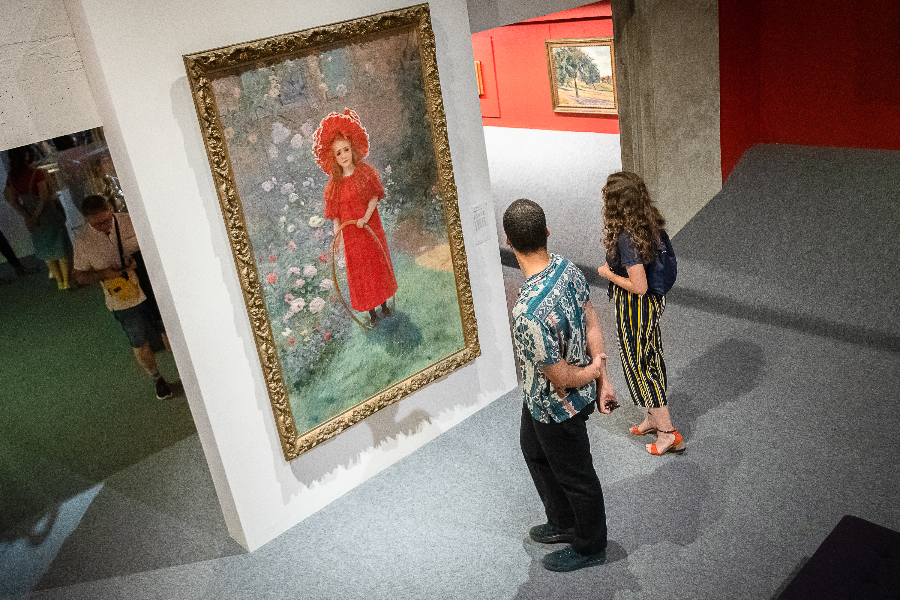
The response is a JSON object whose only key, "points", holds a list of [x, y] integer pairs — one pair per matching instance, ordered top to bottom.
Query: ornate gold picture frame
{"points": [[582, 75], [354, 273]]}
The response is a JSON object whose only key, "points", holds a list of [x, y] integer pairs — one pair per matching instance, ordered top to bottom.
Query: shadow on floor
{"points": [[160, 513]]}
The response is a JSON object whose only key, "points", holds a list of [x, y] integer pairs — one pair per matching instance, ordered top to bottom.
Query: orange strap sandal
{"points": [[635, 431], [677, 446]]}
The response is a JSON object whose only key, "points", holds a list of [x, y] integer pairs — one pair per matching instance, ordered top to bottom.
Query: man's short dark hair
{"points": [[94, 205], [526, 226]]}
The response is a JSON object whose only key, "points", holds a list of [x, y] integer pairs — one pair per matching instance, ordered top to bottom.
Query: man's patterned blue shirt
{"points": [[550, 326]]}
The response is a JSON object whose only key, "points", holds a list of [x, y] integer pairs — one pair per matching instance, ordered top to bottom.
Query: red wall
{"points": [[810, 73], [516, 77]]}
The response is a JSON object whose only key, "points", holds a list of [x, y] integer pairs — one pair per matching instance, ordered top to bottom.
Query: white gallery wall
{"points": [[132, 53], [43, 90]]}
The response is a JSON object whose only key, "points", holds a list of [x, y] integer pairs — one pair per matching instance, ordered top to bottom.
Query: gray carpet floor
{"points": [[781, 344]]}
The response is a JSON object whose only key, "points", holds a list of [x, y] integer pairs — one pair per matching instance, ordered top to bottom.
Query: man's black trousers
{"points": [[558, 456]]}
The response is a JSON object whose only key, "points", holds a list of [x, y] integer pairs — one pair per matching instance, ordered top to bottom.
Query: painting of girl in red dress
{"points": [[349, 132], [351, 203]]}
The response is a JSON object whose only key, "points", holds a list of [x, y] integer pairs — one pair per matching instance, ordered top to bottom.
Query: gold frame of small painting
{"points": [[588, 62]]}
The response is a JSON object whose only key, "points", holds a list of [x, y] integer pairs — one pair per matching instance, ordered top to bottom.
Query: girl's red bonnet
{"points": [[347, 124]]}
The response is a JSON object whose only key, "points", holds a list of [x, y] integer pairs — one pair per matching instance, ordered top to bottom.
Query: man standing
{"points": [[103, 253], [559, 346]]}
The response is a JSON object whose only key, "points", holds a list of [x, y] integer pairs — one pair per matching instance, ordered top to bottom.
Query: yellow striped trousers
{"points": [[640, 346]]}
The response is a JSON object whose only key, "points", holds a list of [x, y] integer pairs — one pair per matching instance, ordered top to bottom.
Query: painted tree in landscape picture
{"points": [[572, 63]]}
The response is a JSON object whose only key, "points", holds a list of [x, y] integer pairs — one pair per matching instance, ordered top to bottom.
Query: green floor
{"points": [[74, 405]]}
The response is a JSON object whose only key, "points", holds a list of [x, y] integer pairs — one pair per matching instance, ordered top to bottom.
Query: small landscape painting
{"points": [[582, 75]]}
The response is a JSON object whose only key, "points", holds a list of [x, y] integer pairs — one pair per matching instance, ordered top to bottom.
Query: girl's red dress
{"points": [[370, 273]]}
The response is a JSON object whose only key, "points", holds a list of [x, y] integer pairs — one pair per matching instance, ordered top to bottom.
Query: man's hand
{"points": [[118, 271], [111, 273], [560, 391], [606, 397]]}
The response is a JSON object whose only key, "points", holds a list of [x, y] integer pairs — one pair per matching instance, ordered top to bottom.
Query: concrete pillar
{"points": [[667, 77]]}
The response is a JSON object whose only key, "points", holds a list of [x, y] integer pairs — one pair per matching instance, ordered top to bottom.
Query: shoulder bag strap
{"points": [[119, 240]]}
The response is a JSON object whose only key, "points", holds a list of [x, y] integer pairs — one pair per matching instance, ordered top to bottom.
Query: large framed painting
{"points": [[582, 75], [330, 157]]}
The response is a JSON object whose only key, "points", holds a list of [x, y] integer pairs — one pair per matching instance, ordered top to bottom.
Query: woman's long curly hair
{"points": [[627, 207]]}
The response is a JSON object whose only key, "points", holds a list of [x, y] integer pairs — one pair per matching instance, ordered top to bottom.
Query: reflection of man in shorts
{"points": [[103, 253]]}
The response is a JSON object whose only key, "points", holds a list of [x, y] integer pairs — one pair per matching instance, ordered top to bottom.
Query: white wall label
{"points": [[482, 231]]}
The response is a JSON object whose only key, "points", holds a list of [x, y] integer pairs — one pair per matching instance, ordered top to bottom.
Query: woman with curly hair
{"points": [[351, 196], [632, 234]]}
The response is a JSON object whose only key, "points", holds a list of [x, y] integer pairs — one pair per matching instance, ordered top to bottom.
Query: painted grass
{"points": [[587, 96], [425, 328]]}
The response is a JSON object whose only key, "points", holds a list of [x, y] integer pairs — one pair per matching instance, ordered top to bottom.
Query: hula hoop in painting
{"points": [[281, 176], [334, 261]]}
